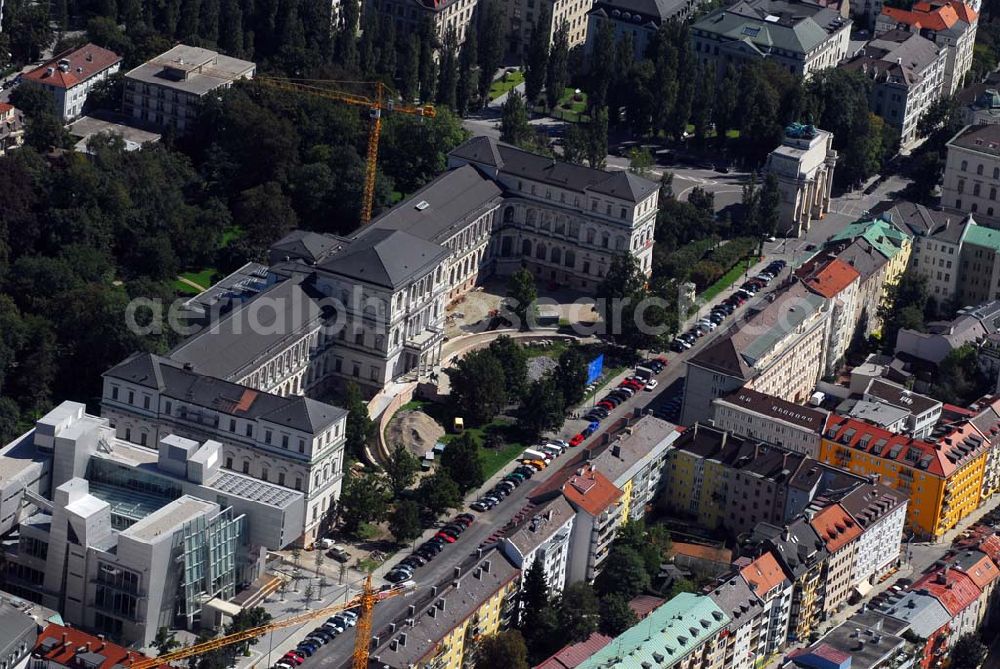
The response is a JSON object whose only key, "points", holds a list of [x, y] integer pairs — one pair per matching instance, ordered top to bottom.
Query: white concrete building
{"points": [[70, 76], [167, 90], [803, 166], [971, 176], [840, 285], [923, 412], [773, 420], [598, 506], [880, 511], [543, 535], [771, 585], [747, 618]]}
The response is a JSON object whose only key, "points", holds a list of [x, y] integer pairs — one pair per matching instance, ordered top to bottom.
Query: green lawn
{"points": [[505, 83], [230, 235], [205, 278], [728, 279], [553, 351]]}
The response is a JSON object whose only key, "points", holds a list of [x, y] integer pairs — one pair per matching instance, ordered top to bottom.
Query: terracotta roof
{"points": [[933, 17], [79, 64], [5, 107], [833, 278], [951, 451], [591, 491], [835, 527], [991, 546], [698, 551], [977, 566], [763, 574], [955, 590], [643, 605], [60, 645], [568, 657]]}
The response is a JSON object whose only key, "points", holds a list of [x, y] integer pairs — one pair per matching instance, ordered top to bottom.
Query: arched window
{"points": [[965, 165], [979, 169], [996, 172], [975, 189], [993, 193], [508, 214], [531, 217], [590, 235], [605, 239], [526, 248], [540, 252], [555, 255], [570, 260]]}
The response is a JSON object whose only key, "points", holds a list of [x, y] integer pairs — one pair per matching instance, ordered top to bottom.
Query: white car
{"points": [[651, 384]]}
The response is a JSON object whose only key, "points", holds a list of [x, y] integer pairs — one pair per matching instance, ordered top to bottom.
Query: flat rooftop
{"points": [[192, 70], [634, 443], [253, 489], [169, 518]]}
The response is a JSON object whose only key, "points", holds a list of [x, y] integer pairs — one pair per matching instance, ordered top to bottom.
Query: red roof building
{"points": [[70, 75], [833, 278], [956, 591], [59, 646], [569, 657]]}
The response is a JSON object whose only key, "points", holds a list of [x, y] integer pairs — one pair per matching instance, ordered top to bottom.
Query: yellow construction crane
{"points": [[380, 99], [366, 600]]}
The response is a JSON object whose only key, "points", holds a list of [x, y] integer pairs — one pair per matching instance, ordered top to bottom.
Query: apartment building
{"points": [[523, 17], [640, 19], [951, 25], [802, 37], [908, 75], [69, 77], [167, 91], [803, 166], [972, 171], [937, 246], [880, 252], [980, 263], [840, 285], [972, 325], [778, 351], [921, 413], [772, 420], [987, 422], [293, 442], [634, 462], [942, 478], [729, 482], [880, 512], [839, 533], [544, 535], [802, 555], [982, 571], [773, 588], [958, 594], [479, 600], [927, 620], [18, 633], [686, 633], [742, 638], [866, 640], [64, 647]]}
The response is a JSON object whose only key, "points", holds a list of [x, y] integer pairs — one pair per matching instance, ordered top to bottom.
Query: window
{"points": [[965, 165], [979, 169], [961, 185], [975, 190], [623, 213], [114, 392], [131, 397], [167, 407], [232, 425], [249, 430], [267, 436], [284, 441], [302, 445], [229, 462], [246, 466], [264, 474], [298, 483]]}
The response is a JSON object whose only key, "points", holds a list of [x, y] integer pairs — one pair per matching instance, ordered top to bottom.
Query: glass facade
{"points": [[132, 493], [213, 553]]}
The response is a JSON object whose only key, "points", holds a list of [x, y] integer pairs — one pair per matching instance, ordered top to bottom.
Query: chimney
{"points": [[616, 450], [486, 567], [458, 572], [411, 610], [392, 627], [65, 639], [402, 639]]}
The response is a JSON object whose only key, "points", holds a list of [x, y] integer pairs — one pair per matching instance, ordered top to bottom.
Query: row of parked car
{"points": [[725, 308], [625, 390], [532, 460], [427, 551], [318, 638]]}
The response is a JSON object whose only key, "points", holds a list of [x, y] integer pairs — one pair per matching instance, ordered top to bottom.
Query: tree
{"points": [[345, 40], [492, 40], [537, 59], [428, 63], [602, 65], [409, 69], [556, 73], [468, 74], [447, 89], [514, 126], [597, 138], [640, 161], [265, 214], [521, 296], [903, 308], [631, 317], [513, 360], [571, 375], [477, 386], [542, 407], [9, 416], [359, 427], [463, 463], [401, 469], [438, 492], [364, 499], [404, 523], [624, 573], [308, 594], [534, 596], [578, 612], [616, 615], [244, 620], [164, 641], [505, 650], [968, 652]]}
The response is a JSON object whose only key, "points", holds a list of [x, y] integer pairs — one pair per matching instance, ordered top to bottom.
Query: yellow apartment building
{"points": [[942, 476]]}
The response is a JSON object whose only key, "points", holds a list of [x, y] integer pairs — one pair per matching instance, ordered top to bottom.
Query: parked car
{"points": [[651, 384], [577, 440], [401, 573], [292, 657]]}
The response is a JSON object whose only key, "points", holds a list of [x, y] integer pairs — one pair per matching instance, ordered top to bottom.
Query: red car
{"points": [[662, 361], [607, 405], [577, 440], [447, 537], [293, 658]]}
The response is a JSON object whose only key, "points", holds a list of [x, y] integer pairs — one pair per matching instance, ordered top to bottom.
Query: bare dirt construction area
{"points": [[415, 430]]}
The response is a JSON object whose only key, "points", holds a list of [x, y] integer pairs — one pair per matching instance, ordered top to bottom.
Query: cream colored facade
{"points": [[523, 14], [803, 166], [971, 180]]}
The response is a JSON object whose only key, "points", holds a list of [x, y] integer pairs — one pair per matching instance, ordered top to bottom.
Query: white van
{"points": [[554, 451], [532, 454]]}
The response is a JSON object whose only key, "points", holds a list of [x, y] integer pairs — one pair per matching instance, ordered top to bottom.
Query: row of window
{"points": [[964, 166]]}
